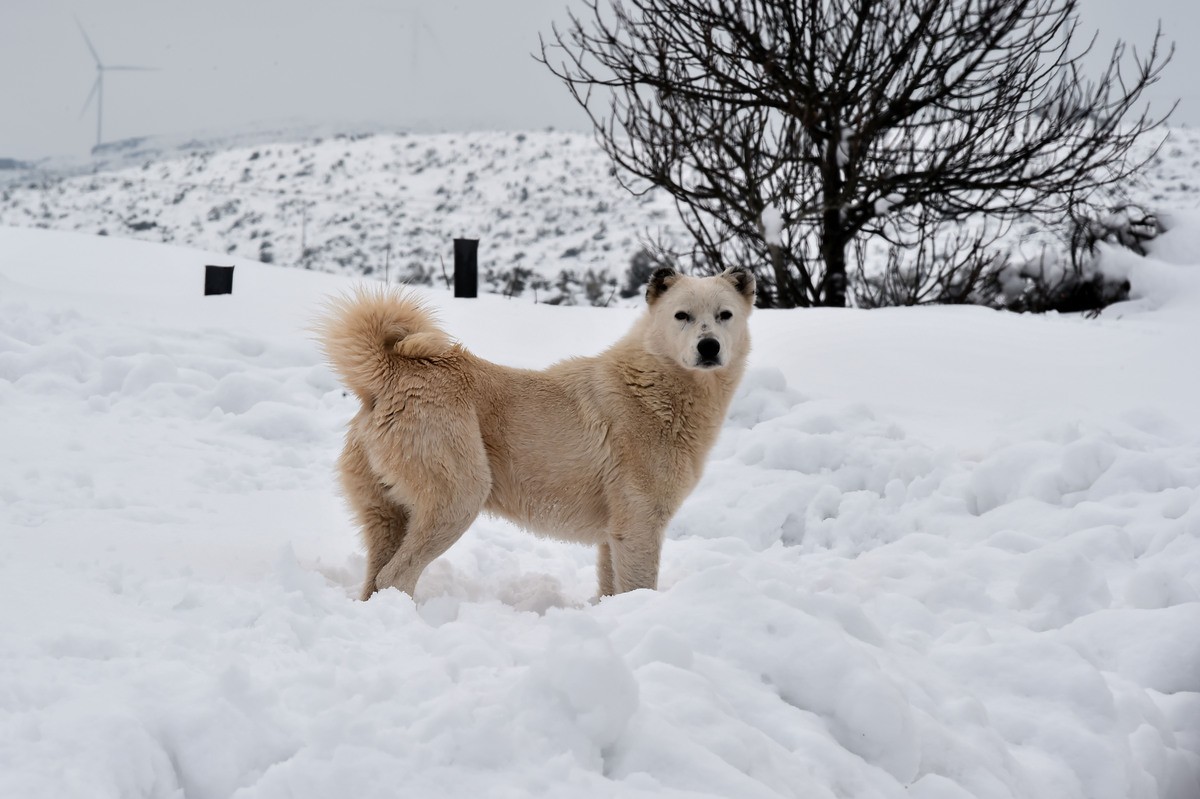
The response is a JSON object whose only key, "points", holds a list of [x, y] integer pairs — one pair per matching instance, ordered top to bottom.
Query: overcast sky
{"points": [[232, 64]]}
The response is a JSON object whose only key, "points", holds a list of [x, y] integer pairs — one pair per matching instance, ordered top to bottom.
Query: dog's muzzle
{"points": [[709, 350]]}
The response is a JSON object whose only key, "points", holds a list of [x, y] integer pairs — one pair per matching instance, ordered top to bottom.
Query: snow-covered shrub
{"points": [[1127, 225], [944, 265], [641, 266], [1075, 279], [599, 287], [1037, 288]]}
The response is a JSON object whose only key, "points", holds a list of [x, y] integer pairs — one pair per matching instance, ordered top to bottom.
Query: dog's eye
{"points": [[683, 316], [725, 316]]}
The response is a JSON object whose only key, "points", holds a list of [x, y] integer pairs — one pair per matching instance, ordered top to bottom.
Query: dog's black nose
{"points": [[708, 348]]}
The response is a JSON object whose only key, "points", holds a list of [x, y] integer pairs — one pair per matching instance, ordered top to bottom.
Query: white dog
{"points": [[601, 450]]}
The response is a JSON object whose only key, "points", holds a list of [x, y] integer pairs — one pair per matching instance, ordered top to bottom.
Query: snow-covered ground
{"points": [[939, 553]]}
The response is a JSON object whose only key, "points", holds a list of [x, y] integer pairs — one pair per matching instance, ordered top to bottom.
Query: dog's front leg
{"points": [[636, 547], [605, 578]]}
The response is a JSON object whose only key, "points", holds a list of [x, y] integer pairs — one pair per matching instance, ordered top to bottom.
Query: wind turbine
{"points": [[417, 26], [98, 87]]}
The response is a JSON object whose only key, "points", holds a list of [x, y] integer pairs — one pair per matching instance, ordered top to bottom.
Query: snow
{"points": [[843, 145], [885, 204], [772, 223], [937, 553]]}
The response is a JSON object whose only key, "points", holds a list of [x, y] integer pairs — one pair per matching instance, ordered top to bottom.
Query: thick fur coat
{"points": [[601, 450]]}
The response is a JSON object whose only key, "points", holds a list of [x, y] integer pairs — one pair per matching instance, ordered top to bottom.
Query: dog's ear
{"points": [[742, 280], [660, 281]]}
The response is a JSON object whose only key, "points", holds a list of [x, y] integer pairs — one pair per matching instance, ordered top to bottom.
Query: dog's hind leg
{"points": [[439, 516], [383, 521], [431, 531], [384, 535]]}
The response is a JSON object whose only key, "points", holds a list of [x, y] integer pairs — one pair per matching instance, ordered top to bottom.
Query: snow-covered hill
{"points": [[543, 205], [553, 223], [939, 553]]}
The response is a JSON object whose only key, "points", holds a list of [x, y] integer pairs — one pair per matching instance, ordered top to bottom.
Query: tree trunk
{"points": [[833, 235], [833, 252], [785, 294]]}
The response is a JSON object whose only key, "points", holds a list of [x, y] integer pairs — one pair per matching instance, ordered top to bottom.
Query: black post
{"points": [[466, 267], [218, 280]]}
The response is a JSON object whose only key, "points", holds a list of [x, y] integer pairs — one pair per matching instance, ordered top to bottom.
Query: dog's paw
{"points": [[388, 577]]}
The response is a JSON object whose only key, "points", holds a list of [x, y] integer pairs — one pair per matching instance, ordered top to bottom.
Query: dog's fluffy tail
{"points": [[370, 333]]}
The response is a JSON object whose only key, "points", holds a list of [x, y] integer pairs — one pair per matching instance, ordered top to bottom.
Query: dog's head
{"points": [[700, 322]]}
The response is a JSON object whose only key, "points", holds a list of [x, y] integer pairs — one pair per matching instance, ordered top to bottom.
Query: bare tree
{"points": [[789, 131]]}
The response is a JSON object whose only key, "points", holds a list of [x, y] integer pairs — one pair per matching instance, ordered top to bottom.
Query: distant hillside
{"points": [[551, 219], [553, 223]]}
